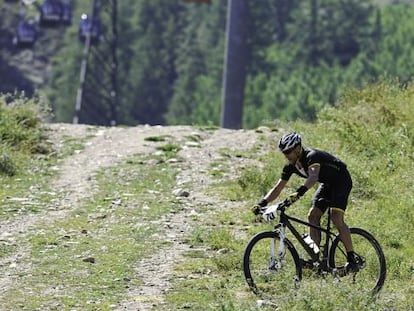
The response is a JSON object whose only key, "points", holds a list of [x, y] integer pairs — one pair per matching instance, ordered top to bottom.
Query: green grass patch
{"points": [[160, 138], [193, 138], [169, 150], [218, 169], [7, 247]]}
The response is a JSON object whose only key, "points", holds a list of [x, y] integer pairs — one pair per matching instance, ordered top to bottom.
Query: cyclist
{"points": [[335, 184]]}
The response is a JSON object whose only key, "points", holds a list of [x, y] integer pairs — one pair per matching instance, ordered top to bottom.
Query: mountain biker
{"points": [[335, 184]]}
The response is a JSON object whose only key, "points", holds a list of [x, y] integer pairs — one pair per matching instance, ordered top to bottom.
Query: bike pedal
{"points": [[309, 264], [339, 273]]}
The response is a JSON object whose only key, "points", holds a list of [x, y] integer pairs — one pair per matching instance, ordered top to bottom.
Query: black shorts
{"points": [[333, 195]]}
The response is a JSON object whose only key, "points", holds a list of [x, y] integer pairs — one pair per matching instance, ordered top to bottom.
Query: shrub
{"points": [[22, 130]]}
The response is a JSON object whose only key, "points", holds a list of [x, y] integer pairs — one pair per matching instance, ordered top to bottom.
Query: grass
{"points": [[160, 138], [85, 261]]}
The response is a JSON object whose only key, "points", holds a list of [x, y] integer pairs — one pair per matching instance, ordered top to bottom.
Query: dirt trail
{"points": [[105, 148]]}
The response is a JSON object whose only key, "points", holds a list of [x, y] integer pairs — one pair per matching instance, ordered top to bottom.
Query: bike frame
{"points": [[286, 222]]}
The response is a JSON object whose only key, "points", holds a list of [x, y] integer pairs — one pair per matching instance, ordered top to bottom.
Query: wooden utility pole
{"points": [[235, 61]]}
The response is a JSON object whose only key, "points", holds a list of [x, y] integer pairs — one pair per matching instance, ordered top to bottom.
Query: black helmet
{"points": [[289, 141]]}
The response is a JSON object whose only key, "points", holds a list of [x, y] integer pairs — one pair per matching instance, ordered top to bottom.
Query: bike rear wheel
{"points": [[267, 273], [372, 273]]}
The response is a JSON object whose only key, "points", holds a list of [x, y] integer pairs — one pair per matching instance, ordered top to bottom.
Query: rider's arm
{"points": [[313, 175], [275, 191]]}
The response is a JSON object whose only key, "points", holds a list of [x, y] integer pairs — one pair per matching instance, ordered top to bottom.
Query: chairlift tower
{"points": [[234, 73], [97, 95]]}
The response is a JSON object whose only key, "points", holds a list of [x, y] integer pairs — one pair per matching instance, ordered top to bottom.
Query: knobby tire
{"points": [[371, 276]]}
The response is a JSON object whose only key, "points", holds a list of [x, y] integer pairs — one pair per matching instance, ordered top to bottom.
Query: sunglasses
{"points": [[288, 151]]}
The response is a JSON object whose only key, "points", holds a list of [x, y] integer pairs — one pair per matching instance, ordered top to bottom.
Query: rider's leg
{"points": [[319, 206], [314, 218], [344, 233]]}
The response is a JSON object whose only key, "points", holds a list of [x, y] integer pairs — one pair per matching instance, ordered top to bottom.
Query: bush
{"points": [[22, 130]]}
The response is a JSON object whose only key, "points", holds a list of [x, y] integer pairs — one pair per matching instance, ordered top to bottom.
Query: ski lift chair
{"points": [[50, 12], [90, 27], [25, 33]]}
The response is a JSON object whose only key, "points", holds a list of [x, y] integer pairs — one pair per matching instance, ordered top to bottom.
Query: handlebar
{"points": [[279, 207]]}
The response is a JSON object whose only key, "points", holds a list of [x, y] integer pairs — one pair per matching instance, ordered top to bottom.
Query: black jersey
{"points": [[330, 171]]}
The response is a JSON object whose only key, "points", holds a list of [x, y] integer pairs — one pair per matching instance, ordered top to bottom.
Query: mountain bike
{"points": [[272, 264]]}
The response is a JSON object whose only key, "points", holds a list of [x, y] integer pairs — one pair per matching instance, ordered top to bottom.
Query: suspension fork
{"points": [[276, 261]]}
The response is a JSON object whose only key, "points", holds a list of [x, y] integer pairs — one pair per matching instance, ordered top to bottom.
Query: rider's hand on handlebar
{"points": [[296, 195], [292, 198], [259, 206], [256, 209], [270, 213]]}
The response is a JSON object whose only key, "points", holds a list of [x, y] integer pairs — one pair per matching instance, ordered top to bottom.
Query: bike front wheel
{"points": [[268, 271], [371, 276]]}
